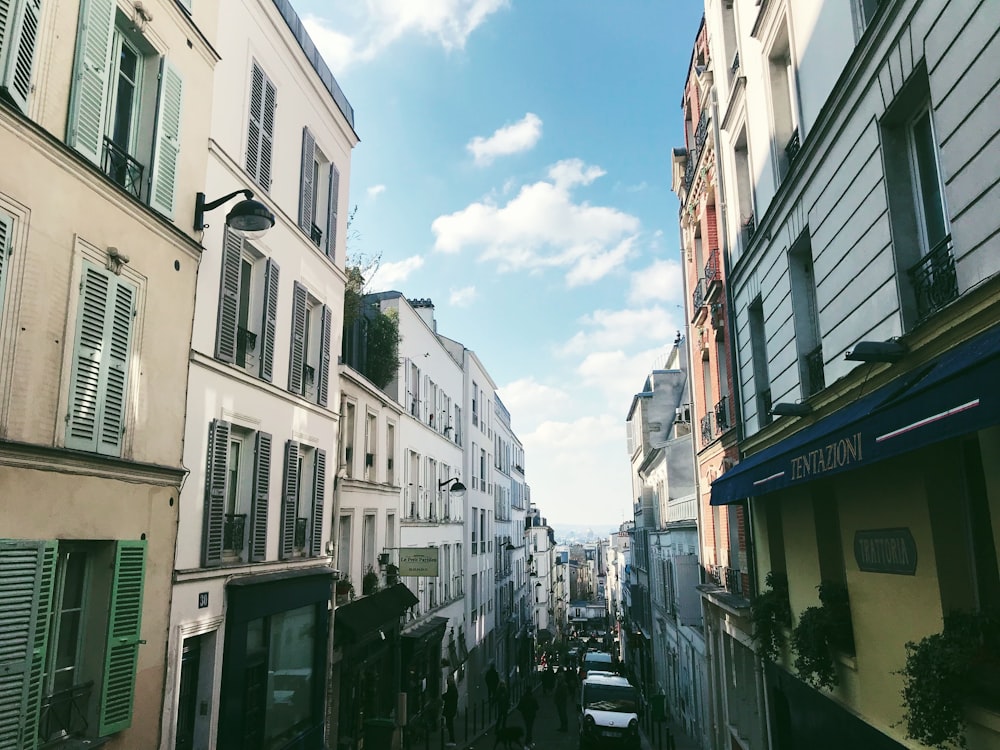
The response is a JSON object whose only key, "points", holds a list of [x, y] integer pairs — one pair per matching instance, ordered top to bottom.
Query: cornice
{"points": [[66, 461]]}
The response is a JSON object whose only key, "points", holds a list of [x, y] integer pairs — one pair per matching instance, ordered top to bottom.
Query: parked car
{"points": [[596, 660], [609, 706]]}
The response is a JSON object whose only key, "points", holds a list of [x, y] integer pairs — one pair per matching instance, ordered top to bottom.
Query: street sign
{"points": [[418, 561]]}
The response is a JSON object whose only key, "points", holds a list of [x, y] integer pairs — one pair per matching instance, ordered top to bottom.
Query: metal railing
{"points": [[735, 67], [793, 146], [122, 168], [749, 226], [316, 235], [713, 269], [933, 279], [698, 297], [814, 370], [722, 422], [707, 435], [234, 527], [300, 532], [733, 580], [64, 714]]}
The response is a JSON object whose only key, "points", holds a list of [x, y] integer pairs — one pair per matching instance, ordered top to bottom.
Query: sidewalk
{"points": [[667, 735]]}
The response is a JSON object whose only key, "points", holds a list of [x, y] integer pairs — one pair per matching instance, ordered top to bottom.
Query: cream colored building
{"points": [[102, 157]]}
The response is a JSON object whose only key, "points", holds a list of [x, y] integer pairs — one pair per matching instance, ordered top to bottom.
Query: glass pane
{"points": [[121, 129], [928, 179], [233, 488], [255, 636], [290, 675]]}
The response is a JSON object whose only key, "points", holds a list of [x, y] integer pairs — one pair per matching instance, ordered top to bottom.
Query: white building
{"points": [[543, 565]]}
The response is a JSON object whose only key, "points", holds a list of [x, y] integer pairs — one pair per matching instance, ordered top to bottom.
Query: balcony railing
{"points": [[735, 67], [701, 132], [793, 146], [122, 168], [749, 226], [316, 235], [713, 270], [933, 279], [698, 297], [814, 370], [722, 414], [707, 435], [234, 527], [300, 532], [734, 580], [64, 714]]}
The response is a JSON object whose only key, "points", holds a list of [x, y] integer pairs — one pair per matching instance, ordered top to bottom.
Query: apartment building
{"points": [[858, 153], [98, 266], [544, 565], [253, 569]]}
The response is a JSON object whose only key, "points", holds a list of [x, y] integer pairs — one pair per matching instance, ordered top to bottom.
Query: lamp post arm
{"points": [[201, 207]]}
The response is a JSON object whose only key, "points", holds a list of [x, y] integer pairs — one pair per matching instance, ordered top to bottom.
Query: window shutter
{"points": [[18, 35], [88, 99], [254, 121], [267, 133], [167, 141], [333, 198], [306, 208], [6, 248], [229, 297], [268, 329], [298, 350], [324, 358], [99, 382], [216, 474], [261, 485], [319, 492], [289, 499], [27, 573], [121, 653]]}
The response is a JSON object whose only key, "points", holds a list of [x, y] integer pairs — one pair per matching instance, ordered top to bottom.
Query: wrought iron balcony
{"points": [[735, 67], [701, 133], [793, 146], [692, 157], [122, 168], [749, 226], [316, 235], [713, 269], [933, 279], [698, 297], [814, 371], [722, 414], [707, 435], [234, 528], [300, 532], [734, 580], [64, 714]]}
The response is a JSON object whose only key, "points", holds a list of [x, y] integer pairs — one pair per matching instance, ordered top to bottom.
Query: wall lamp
{"points": [[248, 217], [877, 351], [786, 409], [457, 488]]}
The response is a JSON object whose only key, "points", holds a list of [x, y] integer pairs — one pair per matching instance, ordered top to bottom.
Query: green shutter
{"points": [[18, 37], [89, 95], [167, 141], [333, 199], [306, 207], [6, 248], [229, 297], [269, 327], [326, 331], [298, 348], [99, 383], [216, 476], [319, 492], [261, 497], [289, 499], [27, 573], [121, 653]]}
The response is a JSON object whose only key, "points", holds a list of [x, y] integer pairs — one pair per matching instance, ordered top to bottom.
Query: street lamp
{"points": [[250, 218], [457, 488]]}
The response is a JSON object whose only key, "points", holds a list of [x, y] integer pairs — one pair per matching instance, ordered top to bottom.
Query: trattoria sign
{"points": [[836, 455], [886, 551]]}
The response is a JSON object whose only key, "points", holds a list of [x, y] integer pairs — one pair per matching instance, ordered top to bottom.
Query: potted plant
{"points": [[369, 584], [344, 590], [771, 614], [821, 631]]}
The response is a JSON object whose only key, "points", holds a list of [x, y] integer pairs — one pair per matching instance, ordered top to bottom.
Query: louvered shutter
{"points": [[18, 37], [88, 99], [254, 121], [267, 133], [167, 139], [306, 188], [333, 199], [6, 248], [229, 297], [268, 329], [326, 331], [298, 348], [99, 383], [216, 476], [319, 492], [261, 497], [289, 499], [27, 573], [687, 575], [121, 653]]}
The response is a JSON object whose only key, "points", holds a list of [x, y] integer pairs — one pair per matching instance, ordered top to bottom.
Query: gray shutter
{"points": [[18, 35], [88, 99], [253, 121], [267, 133], [167, 140], [333, 199], [306, 208], [6, 248], [229, 297], [269, 327], [326, 331], [298, 348], [99, 383], [216, 476], [319, 492], [261, 497], [289, 499], [27, 573], [688, 597]]}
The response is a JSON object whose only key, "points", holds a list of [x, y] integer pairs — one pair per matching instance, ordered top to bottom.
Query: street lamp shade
{"points": [[456, 488]]}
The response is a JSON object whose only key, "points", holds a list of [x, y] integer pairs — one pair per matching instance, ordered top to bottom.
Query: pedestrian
{"points": [[548, 679], [491, 680], [572, 680], [559, 696], [503, 704], [528, 706], [450, 709]]}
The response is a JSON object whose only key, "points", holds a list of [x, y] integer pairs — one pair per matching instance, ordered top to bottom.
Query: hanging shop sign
{"points": [[886, 551], [418, 561]]}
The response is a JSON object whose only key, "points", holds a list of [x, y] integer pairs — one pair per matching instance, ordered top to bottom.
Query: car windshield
{"points": [[617, 698]]}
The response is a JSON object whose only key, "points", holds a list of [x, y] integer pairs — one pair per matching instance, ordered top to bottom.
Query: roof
{"points": [[603, 678]]}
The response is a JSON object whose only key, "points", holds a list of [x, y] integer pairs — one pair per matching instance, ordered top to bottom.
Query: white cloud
{"points": [[368, 28], [510, 139], [375, 191], [542, 227], [389, 274], [660, 280], [462, 297], [613, 329], [618, 376], [528, 399]]}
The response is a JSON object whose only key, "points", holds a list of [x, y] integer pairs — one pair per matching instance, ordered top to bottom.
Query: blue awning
{"points": [[955, 394]]}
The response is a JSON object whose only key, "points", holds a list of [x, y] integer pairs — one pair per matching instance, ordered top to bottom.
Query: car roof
{"points": [[597, 656], [604, 678]]}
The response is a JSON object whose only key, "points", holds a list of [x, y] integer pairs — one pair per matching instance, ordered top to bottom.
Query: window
{"points": [[864, 12], [18, 36], [729, 43], [781, 85], [125, 106], [260, 126], [744, 188], [319, 193], [6, 251], [248, 308], [805, 314], [758, 347], [309, 366], [414, 390], [98, 394], [475, 407], [458, 425], [347, 429], [371, 435], [390, 452], [237, 480], [303, 494], [390, 531], [475, 534], [368, 542], [344, 546], [85, 594]]}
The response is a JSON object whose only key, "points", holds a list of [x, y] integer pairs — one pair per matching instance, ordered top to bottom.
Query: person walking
{"points": [[492, 679], [548, 679], [559, 696], [503, 704], [528, 706], [450, 709]]}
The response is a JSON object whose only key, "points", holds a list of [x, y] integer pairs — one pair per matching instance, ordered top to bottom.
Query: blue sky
{"points": [[514, 167]]}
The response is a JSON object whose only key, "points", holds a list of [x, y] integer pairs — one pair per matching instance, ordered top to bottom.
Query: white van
{"points": [[609, 706]]}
